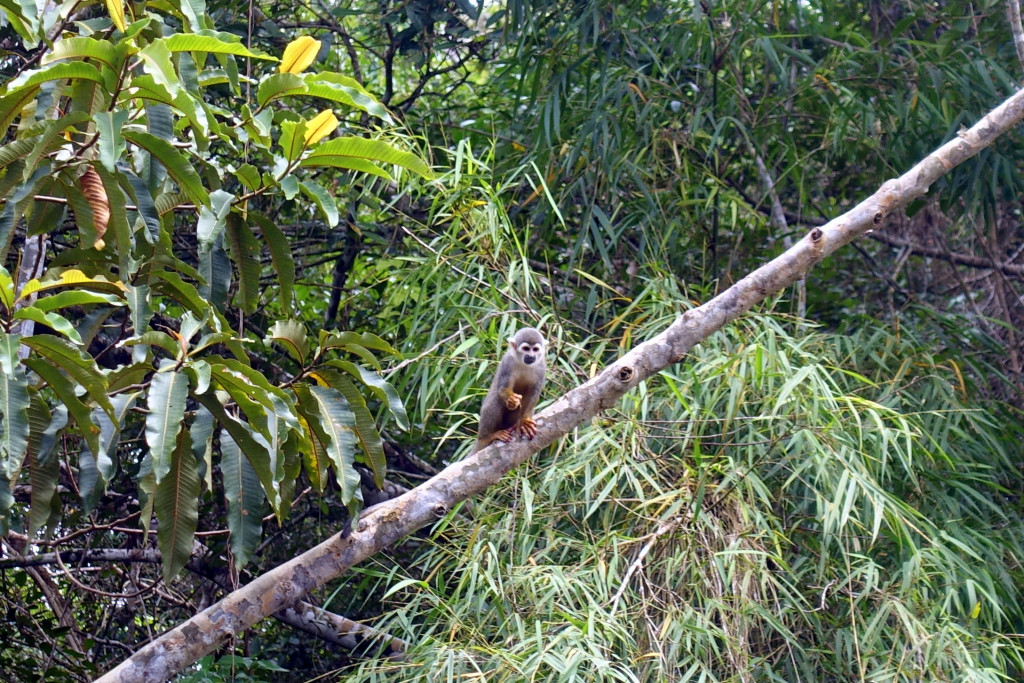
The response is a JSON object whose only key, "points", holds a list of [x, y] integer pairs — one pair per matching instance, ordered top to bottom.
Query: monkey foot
{"points": [[513, 401], [527, 428], [503, 435]]}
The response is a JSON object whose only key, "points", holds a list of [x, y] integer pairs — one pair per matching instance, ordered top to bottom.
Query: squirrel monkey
{"points": [[508, 406]]}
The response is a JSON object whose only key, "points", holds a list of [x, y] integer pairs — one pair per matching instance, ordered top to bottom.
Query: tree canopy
{"points": [[259, 260]]}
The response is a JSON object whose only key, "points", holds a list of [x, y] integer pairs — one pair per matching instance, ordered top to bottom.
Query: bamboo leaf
{"points": [[245, 500], [176, 503]]}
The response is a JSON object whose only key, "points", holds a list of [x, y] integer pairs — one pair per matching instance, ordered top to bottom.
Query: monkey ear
{"points": [[512, 343]]}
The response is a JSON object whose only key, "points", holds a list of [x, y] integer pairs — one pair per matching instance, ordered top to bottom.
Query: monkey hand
{"points": [[513, 400], [527, 427], [503, 435]]}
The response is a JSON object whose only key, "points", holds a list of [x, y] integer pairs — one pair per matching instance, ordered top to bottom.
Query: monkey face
{"points": [[528, 344]]}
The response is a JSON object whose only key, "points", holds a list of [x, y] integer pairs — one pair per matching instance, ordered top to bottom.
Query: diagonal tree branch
{"points": [[401, 516]]}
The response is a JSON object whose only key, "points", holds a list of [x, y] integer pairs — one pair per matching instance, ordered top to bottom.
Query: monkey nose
{"points": [[528, 360]]}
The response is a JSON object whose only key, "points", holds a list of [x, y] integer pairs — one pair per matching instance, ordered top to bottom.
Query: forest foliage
{"points": [[259, 261]]}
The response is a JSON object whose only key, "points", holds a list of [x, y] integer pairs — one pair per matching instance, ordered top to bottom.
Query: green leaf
{"points": [[194, 11], [214, 42], [83, 47], [156, 61], [55, 72], [278, 85], [344, 89], [12, 106], [292, 140], [111, 144], [350, 152], [177, 165], [249, 176], [323, 199], [144, 205], [211, 220], [245, 252], [280, 254], [215, 267], [6, 288], [79, 297], [54, 320], [291, 334], [348, 341], [80, 366], [379, 386], [14, 402], [166, 403], [79, 411], [329, 415], [366, 428], [201, 433], [254, 446], [44, 470], [245, 500], [177, 507]]}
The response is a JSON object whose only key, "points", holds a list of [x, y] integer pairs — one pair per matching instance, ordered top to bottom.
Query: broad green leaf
{"points": [[194, 11], [22, 15], [214, 42], [83, 47], [299, 54], [156, 61], [54, 72], [278, 85], [345, 90], [12, 106], [52, 137], [293, 139], [111, 143], [346, 151], [177, 164], [248, 176], [323, 199], [144, 205], [211, 219], [245, 252], [280, 254], [215, 267], [72, 277], [6, 288], [75, 298], [54, 320], [290, 334], [344, 340], [80, 366], [379, 386], [14, 402], [166, 403], [79, 411], [333, 419], [365, 427], [201, 432], [254, 446], [314, 452], [103, 462], [44, 469], [245, 498], [176, 503]]}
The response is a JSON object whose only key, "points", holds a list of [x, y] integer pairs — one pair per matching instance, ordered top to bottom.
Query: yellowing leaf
{"points": [[116, 10], [299, 54], [320, 126], [70, 277]]}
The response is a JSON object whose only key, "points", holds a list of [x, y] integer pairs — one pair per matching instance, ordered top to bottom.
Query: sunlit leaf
{"points": [[299, 54]]}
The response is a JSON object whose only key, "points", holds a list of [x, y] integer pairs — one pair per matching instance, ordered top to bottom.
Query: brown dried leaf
{"points": [[96, 194]]}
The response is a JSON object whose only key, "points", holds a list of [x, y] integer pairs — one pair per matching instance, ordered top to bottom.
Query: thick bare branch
{"points": [[397, 518]]}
